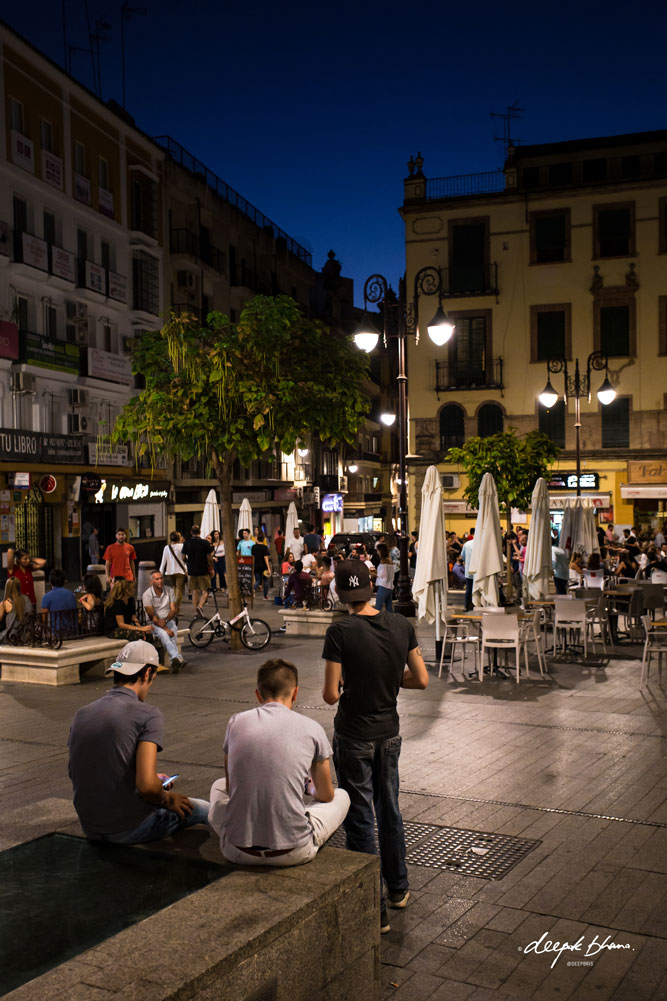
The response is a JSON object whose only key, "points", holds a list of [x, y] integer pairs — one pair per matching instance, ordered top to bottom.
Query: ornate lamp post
{"points": [[400, 321], [577, 386]]}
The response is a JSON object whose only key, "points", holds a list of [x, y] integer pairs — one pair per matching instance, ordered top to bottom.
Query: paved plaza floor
{"points": [[574, 760]]}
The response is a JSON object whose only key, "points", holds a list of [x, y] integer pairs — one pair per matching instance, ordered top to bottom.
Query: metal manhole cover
{"points": [[472, 853]]}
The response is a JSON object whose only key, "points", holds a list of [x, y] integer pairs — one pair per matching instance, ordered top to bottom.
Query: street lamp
{"points": [[401, 318], [578, 386]]}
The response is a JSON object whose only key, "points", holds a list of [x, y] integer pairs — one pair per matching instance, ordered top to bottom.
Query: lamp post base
{"points": [[404, 603]]}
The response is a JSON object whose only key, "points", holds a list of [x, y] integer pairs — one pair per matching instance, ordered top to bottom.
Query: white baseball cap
{"points": [[133, 657]]}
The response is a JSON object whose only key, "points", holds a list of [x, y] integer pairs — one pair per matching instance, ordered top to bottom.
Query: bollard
{"points": [[99, 570], [144, 571], [40, 586]]}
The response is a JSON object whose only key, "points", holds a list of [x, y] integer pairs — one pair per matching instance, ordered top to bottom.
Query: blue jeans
{"points": [[220, 569], [262, 582], [383, 598], [168, 642], [368, 771], [160, 824]]}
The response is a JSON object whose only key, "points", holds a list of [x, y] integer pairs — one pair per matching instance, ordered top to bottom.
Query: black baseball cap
{"points": [[353, 581]]}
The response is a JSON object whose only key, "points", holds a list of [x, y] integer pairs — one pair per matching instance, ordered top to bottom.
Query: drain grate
{"points": [[472, 853]]}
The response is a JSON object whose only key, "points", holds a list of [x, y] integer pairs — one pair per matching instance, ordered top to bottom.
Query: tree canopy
{"points": [[515, 462]]}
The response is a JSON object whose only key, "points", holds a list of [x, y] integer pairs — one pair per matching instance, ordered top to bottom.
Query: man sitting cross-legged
{"points": [[113, 746], [277, 804]]}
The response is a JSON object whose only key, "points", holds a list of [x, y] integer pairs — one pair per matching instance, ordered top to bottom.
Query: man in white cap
{"points": [[370, 655], [113, 745]]}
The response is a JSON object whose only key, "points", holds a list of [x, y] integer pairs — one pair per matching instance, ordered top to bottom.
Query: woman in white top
{"points": [[173, 565], [384, 579]]}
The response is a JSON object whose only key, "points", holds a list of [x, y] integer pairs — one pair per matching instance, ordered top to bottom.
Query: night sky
{"points": [[311, 111]]}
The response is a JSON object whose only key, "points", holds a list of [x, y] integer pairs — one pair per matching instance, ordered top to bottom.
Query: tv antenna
{"points": [[126, 13], [100, 35], [512, 113]]}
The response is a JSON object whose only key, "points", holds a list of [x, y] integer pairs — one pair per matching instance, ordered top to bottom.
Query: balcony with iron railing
{"points": [[180, 155], [487, 182], [183, 241], [247, 278], [461, 283], [455, 376]]}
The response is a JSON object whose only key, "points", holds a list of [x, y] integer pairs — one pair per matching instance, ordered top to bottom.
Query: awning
{"points": [[643, 490], [557, 501]]}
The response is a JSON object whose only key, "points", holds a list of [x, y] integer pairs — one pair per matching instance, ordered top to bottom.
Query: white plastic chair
{"points": [[594, 578], [598, 615], [570, 616], [501, 632], [531, 632], [459, 635], [655, 642]]}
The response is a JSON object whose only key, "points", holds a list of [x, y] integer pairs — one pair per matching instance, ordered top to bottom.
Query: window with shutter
{"points": [[613, 230], [549, 237], [468, 258], [615, 331], [489, 420], [552, 422], [616, 423], [452, 427]]}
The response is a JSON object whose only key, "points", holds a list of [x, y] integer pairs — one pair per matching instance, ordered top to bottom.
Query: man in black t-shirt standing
{"points": [[196, 552], [369, 656]]}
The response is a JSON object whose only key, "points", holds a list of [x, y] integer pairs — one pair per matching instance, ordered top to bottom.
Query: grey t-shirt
{"points": [[159, 603], [271, 750], [103, 758]]}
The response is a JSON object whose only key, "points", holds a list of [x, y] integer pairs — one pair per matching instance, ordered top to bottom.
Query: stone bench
{"points": [[308, 621], [44, 666]]}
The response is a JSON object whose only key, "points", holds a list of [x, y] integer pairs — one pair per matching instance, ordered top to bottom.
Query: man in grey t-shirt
{"points": [[113, 746], [277, 804]]}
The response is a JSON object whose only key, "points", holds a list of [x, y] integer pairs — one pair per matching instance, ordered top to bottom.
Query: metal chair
{"points": [[653, 596], [598, 615], [570, 616], [501, 632], [531, 632], [459, 635], [655, 642]]}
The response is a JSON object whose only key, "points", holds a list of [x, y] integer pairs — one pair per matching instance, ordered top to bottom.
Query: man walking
{"points": [[196, 552], [120, 559], [160, 607], [369, 656], [113, 745], [277, 804]]}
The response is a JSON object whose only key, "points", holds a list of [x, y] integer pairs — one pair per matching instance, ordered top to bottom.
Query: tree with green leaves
{"points": [[222, 391], [515, 462]]}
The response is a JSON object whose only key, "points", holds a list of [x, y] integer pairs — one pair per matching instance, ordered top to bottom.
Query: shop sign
{"points": [[23, 152], [52, 169], [82, 189], [105, 200], [4, 238], [35, 252], [62, 264], [96, 278], [117, 287], [9, 340], [47, 352], [105, 365], [31, 446], [104, 454], [647, 472], [560, 480], [90, 483], [48, 484], [653, 491], [132, 492], [286, 494], [253, 496], [597, 500], [332, 503], [457, 507]]}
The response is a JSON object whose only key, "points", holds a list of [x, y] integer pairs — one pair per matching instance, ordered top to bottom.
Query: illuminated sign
{"points": [[568, 481], [137, 492], [332, 502]]}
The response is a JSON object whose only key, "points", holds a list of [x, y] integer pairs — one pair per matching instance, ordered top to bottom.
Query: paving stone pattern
{"points": [[574, 761]]}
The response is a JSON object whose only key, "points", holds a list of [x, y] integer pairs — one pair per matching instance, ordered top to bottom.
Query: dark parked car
{"points": [[348, 540]]}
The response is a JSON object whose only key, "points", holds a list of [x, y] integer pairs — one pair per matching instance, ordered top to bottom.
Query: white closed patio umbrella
{"points": [[245, 516], [210, 519], [292, 521], [577, 533], [486, 559], [538, 566], [429, 587]]}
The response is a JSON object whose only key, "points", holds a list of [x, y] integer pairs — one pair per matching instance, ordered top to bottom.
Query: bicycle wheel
{"points": [[201, 632], [255, 634]]}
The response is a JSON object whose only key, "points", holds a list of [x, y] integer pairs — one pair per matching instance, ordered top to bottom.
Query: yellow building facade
{"points": [[560, 255]]}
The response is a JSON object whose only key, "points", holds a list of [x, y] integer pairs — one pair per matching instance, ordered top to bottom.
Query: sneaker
{"points": [[283, 629], [176, 665], [162, 669], [399, 899], [385, 927]]}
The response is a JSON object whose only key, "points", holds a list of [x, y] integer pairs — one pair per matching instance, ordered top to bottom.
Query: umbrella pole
{"points": [[438, 612]]}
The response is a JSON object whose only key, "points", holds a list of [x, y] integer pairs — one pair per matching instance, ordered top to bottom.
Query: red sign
{"points": [[9, 340], [48, 484]]}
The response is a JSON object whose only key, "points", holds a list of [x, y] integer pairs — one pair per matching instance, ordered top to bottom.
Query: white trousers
{"points": [[324, 819]]}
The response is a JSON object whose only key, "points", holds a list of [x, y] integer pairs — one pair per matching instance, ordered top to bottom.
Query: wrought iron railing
{"points": [[195, 166], [462, 185], [183, 241], [463, 282], [453, 376], [53, 628]]}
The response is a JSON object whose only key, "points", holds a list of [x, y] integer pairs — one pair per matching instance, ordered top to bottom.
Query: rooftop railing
{"points": [[461, 185]]}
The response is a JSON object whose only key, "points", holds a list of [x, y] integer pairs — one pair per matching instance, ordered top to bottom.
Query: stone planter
{"points": [[307, 621]]}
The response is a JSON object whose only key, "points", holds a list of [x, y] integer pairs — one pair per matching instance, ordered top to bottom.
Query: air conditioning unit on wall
{"points": [[186, 279], [23, 383], [77, 397], [451, 481]]}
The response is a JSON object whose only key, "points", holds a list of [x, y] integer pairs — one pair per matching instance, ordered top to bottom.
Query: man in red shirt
{"points": [[120, 558], [21, 565]]}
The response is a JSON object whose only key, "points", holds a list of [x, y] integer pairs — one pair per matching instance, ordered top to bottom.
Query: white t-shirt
{"points": [[295, 546], [308, 559], [169, 564], [385, 575], [271, 750]]}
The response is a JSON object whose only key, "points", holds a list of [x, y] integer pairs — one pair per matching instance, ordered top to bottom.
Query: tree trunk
{"points": [[223, 470]]}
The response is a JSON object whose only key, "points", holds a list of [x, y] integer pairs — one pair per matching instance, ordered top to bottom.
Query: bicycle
{"points": [[255, 633]]}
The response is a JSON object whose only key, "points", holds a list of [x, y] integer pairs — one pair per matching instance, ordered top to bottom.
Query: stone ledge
{"points": [[308, 621], [44, 666], [314, 929]]}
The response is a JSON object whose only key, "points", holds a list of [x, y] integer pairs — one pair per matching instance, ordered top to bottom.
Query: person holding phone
{"points": [[119, 795]]}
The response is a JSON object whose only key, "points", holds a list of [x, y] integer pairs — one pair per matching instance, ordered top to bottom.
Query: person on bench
{"points": [[113, 745], [277, 804]]}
